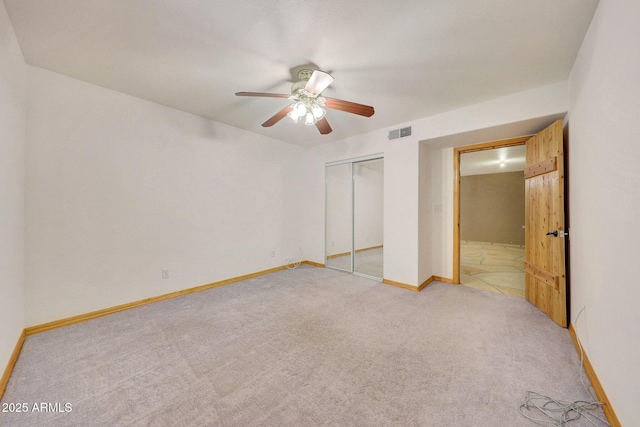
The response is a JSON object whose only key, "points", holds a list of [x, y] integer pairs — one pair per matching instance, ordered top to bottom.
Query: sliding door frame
{"points": [[352, 161]]}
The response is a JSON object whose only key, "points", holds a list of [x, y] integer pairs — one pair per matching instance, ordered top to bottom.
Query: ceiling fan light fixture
{"points": [[307, 101], [300, 108], [309, 109], [317, 111], [293, 116], [310, 120]]}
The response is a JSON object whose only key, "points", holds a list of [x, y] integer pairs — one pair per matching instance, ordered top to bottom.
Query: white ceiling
{"points": [[409, 59], [505, 159]]}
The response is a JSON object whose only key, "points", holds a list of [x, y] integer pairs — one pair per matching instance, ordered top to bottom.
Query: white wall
{"points": [[506, 117], [486, 120], [12, 170], [119, 188], [401, 191], [604, 200], [400, 216], [442, 217], [419, 220]]}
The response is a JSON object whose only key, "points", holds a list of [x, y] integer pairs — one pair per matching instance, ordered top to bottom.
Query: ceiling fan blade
{"points": [[318, 82], [266, 95], [350, 107], [277, 117], [323, 126]]}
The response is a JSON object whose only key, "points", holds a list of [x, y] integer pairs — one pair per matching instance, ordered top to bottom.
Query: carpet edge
{"points": [[67, 321], [4, 380], [595, 382]]}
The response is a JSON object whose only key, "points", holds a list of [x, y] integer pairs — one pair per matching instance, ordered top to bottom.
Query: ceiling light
{"points": [[308, 106], [300, 109], [318, 112], [310, 120]]}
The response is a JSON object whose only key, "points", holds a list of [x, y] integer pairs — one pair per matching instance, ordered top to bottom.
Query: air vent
{"points": [[400, 133]]}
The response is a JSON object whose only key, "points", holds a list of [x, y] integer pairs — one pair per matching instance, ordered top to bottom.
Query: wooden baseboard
{"points": [[369, 248], [357, 251], [338, 255], [315, 264], [443, 280], [425, 283], [400, 285], [407, 286], [106, 311], [12, 362], [595, 382]]}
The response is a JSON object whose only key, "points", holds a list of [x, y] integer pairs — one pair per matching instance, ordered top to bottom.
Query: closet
{"points": [[354, 202]]}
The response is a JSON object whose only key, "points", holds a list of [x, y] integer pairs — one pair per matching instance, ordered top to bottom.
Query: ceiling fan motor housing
{"points": [[303, 75]]}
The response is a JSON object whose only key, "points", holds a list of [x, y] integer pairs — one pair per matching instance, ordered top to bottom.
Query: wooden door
{"points": [[545, 283]]}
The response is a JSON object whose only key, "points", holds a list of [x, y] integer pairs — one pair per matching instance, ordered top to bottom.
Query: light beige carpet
{"points": [[303, 347]]}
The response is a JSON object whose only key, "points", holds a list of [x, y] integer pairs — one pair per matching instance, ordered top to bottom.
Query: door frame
{"points": [[457, 151], [352, 161]]}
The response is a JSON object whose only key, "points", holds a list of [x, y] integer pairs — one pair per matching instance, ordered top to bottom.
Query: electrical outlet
{"points": [[273, 253], [165, 274]]}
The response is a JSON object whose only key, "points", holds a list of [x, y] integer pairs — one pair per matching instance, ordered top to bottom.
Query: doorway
{"points": [[354, 201], [492, 216], [545, 233], [475, 260]]}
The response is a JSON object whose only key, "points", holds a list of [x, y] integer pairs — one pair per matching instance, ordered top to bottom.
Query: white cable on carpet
{"points": [[291, 264], [560, 413]]}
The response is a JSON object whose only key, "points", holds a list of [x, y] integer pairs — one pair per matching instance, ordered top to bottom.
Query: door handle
{"points": [[555, 233]]}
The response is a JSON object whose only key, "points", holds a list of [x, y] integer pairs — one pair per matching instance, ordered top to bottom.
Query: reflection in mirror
{"points": [[368, 205], [338, 233]]}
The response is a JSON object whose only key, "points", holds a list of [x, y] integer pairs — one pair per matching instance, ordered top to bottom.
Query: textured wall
{"points": [[604, 136], [119, 189], [12, 190], [492, 208]]}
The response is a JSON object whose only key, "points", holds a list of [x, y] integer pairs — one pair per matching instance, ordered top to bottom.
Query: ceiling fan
{"points": [[308, 103]]}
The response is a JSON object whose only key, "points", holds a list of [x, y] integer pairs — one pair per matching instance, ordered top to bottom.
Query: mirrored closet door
{"points": [[339, 216], [354, 216]]}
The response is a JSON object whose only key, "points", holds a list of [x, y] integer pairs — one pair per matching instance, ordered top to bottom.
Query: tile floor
{"points": [[496, 267]]}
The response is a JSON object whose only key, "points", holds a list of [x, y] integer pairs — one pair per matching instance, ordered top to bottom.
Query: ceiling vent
{"points": [[400, 133]]}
